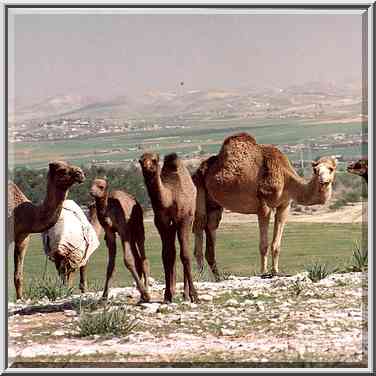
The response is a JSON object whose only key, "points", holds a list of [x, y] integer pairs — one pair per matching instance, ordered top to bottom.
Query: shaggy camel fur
{"points": [[359, 168], [250, 178], [173, 198], [119, 212], [25, 217]]}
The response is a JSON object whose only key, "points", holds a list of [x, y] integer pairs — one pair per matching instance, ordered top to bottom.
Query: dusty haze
{"points": [[109, 55]]}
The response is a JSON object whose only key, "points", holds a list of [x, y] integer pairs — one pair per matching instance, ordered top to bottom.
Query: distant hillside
{"points": [[215, 103]]}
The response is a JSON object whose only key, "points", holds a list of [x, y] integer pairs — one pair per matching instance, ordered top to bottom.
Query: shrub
{"points": [[359, 260], [317, 272], [49, 287], [297, 287], [109, 321]]}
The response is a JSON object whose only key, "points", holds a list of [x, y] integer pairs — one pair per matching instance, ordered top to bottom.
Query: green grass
{"points": [[208, 134], [237, 252], [317, 271], [50, 287], [114, 321]]}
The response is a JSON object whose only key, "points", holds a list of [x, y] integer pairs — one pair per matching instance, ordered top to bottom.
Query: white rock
{"points": [[206, 298], [232, 302], [247, 302], [151, 307], [227, 332], [58, 333]]}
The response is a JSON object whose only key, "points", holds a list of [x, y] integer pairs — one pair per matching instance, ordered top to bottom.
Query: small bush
{"points": [[338, 204], [359, 260], [317, 272], [95, 285], [49, 287], [297, 287], [109, 321]]}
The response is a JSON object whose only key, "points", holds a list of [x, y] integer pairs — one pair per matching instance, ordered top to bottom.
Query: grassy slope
{"points": [[209, 134], [237, 251]]}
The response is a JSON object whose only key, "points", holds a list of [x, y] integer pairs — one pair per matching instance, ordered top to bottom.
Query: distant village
{"points": [[63, 129]]}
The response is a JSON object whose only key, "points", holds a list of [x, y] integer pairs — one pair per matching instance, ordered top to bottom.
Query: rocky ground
{"points": [[240, 322]]}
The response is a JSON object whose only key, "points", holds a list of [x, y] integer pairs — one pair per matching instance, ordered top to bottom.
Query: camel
{"points": [[359, 168], [250, 178], [173, 198], [119, 212], [25, 218]]}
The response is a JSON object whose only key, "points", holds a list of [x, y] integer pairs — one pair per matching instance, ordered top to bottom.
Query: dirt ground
{"points": [[352, 213]]}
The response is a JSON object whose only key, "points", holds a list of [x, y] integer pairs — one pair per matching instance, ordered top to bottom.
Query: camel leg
{"points": [[214, 218], [263, 220], [279, 224], [184, 230], [168, 234], [110, 239], [20, 248], [198, 254], [137, 258], [130, 264], [145, 267], [83, 279]]}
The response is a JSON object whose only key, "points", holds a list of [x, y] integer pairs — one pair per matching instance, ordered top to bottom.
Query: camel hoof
{"points": [[267, 275], [217, 278], [145, 298]]}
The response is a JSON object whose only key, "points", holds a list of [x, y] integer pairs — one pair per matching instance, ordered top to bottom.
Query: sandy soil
{"points": [[354, 213]]}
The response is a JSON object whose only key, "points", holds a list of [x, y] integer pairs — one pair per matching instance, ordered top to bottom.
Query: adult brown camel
{"points": [[359, 168], [250, 178], [173, 198], [119, 212], [25, 218]]}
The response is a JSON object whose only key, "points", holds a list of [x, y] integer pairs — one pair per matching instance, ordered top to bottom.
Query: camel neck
{"points": [[308, 193], [160, 195], [101, 204], [49, 212], [93, 219]]}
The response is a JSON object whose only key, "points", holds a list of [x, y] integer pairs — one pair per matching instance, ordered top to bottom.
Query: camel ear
{"points": [[334, 159], [314, 164]]}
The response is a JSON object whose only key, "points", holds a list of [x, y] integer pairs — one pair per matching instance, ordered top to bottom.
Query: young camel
{"points": [[359, 168], [250, 178], [173, 198], [119, 212], [25, 218]]}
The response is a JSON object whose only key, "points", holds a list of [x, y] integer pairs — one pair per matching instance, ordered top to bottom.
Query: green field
{"points": [[207, 134], [237, 251]]}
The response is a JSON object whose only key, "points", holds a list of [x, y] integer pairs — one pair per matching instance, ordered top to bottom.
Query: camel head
{"points": [[171, 162], [149, 163], [358, 168], [325, 170], [64, 175], [99, 188]]}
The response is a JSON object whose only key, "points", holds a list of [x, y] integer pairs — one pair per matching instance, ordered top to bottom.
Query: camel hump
{"points": [[238, 138], [237, 143], [198, 176], [15, 196]]}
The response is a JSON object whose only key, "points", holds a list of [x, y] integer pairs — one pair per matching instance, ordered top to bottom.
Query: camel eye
{"points": [[331, 169]]}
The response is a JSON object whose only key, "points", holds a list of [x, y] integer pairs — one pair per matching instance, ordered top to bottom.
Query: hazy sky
{"points": [[107, 55]]}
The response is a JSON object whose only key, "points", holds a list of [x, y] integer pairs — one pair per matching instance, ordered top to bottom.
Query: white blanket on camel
{"points": [[72, 236]]}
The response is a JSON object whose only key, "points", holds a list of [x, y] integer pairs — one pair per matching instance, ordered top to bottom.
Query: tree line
{"points": [[33, 183], [346, 187]]}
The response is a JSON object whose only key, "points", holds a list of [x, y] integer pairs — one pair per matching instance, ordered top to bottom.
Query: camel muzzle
{"points": [[79, 176]]}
